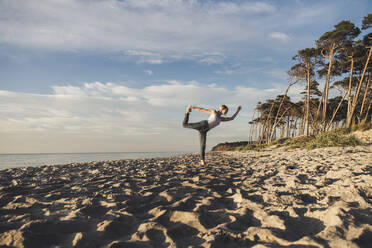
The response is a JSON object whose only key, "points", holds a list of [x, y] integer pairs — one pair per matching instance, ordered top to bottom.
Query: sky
{"points": [[117, 76]]}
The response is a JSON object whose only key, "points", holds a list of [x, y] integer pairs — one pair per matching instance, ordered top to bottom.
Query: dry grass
{"points": [[334, 138]]}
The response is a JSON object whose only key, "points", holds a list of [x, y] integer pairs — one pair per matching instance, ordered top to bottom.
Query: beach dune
{"points": [[268, 198]]}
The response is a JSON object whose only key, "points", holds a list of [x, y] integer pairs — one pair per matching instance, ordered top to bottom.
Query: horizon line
{"points": [[40, 153]]}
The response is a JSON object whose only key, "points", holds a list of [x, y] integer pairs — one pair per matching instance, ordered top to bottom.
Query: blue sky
{"points": [[87, 76]]}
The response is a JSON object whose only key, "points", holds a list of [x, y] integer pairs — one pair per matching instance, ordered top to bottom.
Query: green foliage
{"points": [[367, 21], [344, 32], [367, 40], [344, 83], [361, 127], [334, 138], [299, 141], [279, 142], [290, 143], [249, 147], [259, 147]]}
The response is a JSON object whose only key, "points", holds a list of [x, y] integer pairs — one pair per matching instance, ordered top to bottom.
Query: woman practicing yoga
{"points": [[204, 126]]}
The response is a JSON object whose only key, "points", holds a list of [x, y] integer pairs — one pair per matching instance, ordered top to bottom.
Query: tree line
{"points": [[341, 61]]}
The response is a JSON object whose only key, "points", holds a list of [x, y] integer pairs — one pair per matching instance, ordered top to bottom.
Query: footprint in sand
{"points": [[297, 227]]}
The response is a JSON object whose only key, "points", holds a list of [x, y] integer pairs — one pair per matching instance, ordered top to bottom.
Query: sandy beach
{"points": [[268, 198]]}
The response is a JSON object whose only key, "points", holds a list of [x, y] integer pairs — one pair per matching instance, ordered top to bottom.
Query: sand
{"points": [[268, 198]]}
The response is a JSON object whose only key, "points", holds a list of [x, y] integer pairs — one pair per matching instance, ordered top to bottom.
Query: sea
{"points": [[38, 159]]}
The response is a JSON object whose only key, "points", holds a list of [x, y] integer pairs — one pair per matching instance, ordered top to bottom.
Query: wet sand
{"points": [[268, 198]]}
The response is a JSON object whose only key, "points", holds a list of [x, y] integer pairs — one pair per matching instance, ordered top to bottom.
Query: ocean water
{"points": [[22, 160]]}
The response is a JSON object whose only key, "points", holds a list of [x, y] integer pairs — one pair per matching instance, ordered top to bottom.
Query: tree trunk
{"points": [[326, 88], [349, 89], [364, 97], [324, 98], [355, 98], [307, 100], [280, 105], [335, 112], [366, 115], [267, 122], [276, 123], [302, 127], [282, 128], [294, 128], [251, 133], [254, 133], [260, 133]]}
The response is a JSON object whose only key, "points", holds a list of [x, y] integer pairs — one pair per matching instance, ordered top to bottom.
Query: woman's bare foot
{"points": [[188, 110], [202, 162]]}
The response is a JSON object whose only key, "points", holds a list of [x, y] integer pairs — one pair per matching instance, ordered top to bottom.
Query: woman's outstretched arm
{"points": [[209, 111], [233, 116]]}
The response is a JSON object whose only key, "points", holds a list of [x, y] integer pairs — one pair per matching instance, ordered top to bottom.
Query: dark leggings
{"points": [[202, 127]]}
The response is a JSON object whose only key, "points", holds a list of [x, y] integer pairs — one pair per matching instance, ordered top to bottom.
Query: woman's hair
{"points": [[225, 107]]}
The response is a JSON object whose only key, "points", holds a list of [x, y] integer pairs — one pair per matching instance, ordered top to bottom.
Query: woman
{"points": [[204, 126]]}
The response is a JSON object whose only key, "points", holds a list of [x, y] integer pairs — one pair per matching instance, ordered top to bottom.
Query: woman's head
{"points": [[223, 109]]}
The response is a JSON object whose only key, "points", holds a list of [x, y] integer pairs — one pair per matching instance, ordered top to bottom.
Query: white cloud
{"points": [[228, 8], [122, 25], [151, 31], [279, 36], [140, 53], [143, 56], [212, 59], [266, 59], [153, 61], [149, 72], [231, 72], [278, 74], [68, 90], [112, 112]]}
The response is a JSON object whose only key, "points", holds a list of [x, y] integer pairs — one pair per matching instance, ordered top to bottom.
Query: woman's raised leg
{"points": [[201, 125]]}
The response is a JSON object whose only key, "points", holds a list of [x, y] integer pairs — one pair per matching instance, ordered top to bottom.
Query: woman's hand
{"points": [[233, 116]]}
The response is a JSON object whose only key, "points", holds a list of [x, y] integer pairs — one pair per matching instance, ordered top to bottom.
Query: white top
{"points": [[213, 120]]}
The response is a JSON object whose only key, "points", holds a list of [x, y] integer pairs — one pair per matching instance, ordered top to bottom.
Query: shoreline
{"points": [[42, 153], [50, 159], [272, 197]]}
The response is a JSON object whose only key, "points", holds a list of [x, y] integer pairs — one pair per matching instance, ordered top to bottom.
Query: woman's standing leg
{"points": [[203, 141]]}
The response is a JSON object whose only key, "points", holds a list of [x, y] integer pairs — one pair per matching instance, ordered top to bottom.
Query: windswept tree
{"points": [[367, 42], [330, 44], [363, 51], [338, 55], [361, 58], [304, 70], [274, 115]]}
